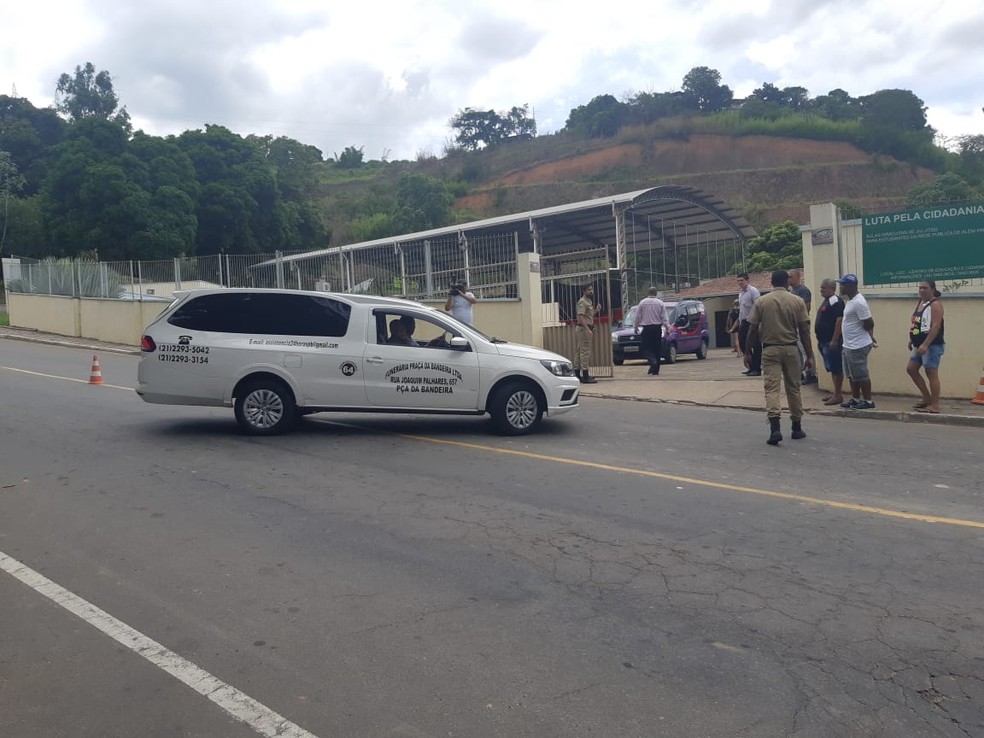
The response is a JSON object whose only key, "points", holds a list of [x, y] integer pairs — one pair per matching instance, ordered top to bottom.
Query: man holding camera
{"points": [[460, 301]]}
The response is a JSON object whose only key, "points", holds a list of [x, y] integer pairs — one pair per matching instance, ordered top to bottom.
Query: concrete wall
{"points": [[839, 250], [45, 313], [499, 318], [116, 321], [123, 321]]}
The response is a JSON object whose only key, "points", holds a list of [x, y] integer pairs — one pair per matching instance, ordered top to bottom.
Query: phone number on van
{"points": [[181, 348], [182, 353], [183, 358]]}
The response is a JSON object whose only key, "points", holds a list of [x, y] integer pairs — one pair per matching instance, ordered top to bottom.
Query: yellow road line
{"points": [[66, 379], [885, 512]]}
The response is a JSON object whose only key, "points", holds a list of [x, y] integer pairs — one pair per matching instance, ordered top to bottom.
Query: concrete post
{"points": [[821, 247], [821, 260], [530, 298]]}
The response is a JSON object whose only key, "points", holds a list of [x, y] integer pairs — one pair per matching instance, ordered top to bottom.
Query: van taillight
{"points": [[147, 344]]}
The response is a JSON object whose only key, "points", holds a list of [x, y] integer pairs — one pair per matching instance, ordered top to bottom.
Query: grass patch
{"points": [[4, 318]]}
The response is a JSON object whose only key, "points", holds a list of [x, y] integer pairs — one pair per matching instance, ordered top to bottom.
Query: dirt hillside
{"points": [[769, 178]]}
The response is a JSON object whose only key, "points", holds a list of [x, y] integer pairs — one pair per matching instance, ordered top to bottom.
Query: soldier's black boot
{"points": [[587, 378], [798, 431], [775, 436]]}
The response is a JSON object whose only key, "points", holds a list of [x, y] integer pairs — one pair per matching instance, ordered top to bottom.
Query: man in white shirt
{"points": [[746, 298], [460, 301], [649, 318], [857, 329]]}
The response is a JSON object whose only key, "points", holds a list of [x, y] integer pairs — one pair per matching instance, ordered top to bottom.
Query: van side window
{"points": [[219, 313], [274, 314], [302, 315]]}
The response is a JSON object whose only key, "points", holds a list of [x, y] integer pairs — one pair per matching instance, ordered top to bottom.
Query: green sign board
{"points": [[936, 242]]}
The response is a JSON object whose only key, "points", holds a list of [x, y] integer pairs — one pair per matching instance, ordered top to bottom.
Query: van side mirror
{"points": [[460, 343]]}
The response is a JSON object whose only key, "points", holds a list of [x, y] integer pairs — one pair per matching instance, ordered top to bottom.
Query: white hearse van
{"points": [[276, 354]]}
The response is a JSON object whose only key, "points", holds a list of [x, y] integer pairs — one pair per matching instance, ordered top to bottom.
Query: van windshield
{"points": [[629, 321]]}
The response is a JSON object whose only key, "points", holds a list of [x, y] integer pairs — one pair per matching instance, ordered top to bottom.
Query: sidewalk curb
{"points": [[69, 344], [969, 421]]}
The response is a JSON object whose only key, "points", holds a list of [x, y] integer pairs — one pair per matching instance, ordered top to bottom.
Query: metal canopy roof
{"points": [[664, 216]]}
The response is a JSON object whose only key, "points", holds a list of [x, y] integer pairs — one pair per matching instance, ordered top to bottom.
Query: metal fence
{"points": [[416, 270]]}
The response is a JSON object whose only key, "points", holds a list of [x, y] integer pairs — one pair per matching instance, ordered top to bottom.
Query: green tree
{"points": [[704, 91], [768, 93], [88, 94], [793, 98], [796, 98], [835, 105], [647, 107], [897, 110], [600, 118], [894, 122], [517, 123], [477, 129], [28, 134], [971, 149], [350, 158], [298, 165], [298, 169], [11, 184], [945, 188], [124, 199], [422, 203], [240, 208], [25, 229], [779, 247]]}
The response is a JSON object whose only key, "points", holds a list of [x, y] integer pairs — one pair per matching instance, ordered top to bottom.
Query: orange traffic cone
{"points": [[96, 377], [979, 399]]}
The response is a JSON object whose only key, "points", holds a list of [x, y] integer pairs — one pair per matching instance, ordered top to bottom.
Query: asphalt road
{"points": [[633, 570]]}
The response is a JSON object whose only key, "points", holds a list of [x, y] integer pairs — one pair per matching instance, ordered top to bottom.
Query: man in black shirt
{"points": [[799, 289], [828, 332]]}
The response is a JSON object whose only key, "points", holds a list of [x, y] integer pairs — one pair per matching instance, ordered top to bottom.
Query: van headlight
{"points": [[559, 368]]}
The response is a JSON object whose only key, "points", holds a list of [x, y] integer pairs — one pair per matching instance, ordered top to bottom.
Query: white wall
{"points": [[891, 308]]}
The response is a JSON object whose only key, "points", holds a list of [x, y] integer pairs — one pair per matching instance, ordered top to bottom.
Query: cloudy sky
{"points": [[388, 75]]}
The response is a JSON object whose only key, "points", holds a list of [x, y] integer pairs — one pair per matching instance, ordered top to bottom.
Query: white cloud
{"points": [[389, 75]]}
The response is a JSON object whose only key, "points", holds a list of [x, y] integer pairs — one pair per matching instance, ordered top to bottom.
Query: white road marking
{"points": [[67, 379], [237, 704]]}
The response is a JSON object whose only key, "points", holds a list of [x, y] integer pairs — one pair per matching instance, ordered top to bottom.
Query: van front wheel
{"points": [[265, 407], [516, 409]]}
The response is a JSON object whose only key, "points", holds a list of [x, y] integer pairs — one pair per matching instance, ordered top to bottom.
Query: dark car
{"points": [[685, 334]]}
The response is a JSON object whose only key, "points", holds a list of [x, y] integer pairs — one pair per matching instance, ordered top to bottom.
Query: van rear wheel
{"points": [[702, 351], [265, 407], [516, 409]]}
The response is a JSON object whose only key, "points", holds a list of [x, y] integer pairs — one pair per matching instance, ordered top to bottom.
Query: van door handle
{"points": [[375, 359]]}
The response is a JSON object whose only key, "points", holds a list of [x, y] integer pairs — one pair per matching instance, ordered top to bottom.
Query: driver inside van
{"points": [[401, 330], [401, 333]]}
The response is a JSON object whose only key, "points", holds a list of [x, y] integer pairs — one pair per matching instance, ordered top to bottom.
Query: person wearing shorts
{"points": [[857, 327], [927, 346]]}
